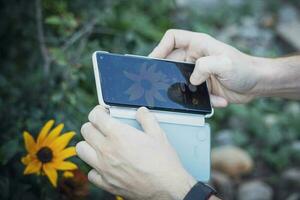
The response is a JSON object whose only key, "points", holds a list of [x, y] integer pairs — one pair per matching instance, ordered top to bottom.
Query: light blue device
{"points": [[187, 133], [192, 144]]}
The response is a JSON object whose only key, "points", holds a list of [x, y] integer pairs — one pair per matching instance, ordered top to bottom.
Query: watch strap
{"points": [[200, 191]]}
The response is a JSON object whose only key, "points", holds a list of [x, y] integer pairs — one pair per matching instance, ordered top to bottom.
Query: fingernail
{"points": [[143, 109], [79, 148]]}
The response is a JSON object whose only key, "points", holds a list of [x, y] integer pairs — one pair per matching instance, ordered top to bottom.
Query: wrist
{"points": [[266, 71], [276, 76], [182, 187]]}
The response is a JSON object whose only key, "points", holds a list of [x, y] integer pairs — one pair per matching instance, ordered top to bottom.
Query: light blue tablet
{"points": [[192, 144]]}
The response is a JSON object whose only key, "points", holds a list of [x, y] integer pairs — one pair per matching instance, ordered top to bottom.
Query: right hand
{"points": [[231, 74]]}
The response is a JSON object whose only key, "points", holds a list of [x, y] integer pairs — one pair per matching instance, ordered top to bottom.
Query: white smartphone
{"points": [[130, 81], [127, 82]]}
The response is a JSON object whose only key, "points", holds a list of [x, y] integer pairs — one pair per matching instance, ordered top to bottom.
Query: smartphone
{"points": [[133, 81]]}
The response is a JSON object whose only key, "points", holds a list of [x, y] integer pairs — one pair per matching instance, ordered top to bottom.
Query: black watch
{"points": [[200, 191]]}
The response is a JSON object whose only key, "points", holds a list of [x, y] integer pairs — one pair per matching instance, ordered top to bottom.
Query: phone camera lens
{"points": [[192, 88]]}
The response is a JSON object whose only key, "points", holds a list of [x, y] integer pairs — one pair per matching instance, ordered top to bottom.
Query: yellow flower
{"points": [[47, 154], [119, 198]]}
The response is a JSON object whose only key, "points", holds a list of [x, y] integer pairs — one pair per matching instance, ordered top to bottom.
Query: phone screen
{"points": [[131, 81]]}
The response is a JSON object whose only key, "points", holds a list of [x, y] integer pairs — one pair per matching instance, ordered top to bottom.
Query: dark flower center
{"points": [[45, 154]]}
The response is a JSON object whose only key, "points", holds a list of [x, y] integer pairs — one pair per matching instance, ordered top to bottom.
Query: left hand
{"points": [[129, 162]]}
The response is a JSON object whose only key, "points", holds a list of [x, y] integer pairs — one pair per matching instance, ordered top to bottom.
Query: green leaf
{"points": [[53, 20], [8, 151]]}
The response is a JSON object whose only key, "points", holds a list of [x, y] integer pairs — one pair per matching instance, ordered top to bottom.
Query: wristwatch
{"points": [[200, 191]]}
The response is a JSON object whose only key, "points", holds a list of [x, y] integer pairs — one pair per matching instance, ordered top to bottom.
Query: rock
{"points": [[200, 4], [288, 13], [268, 21], [288, 27], [248, 34], [293, 108], [271, 119], [224, 137], [296, 145], [231, 160], [292, 177], [222, 183], [255, 190], [294, 196]]}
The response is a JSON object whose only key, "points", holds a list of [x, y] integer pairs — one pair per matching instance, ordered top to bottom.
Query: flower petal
{"points": [[131, 76], [135, 92], [158, 96], [149, 98], [44, 131], [53, 134], [62, 141], [29, 142], [66, 153], [26, 159], [65, 165], [33, 167], [51, 173], [68, 174]]}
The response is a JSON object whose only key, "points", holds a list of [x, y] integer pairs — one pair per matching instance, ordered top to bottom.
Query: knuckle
{"points": [[171, 32], [205, 36]]}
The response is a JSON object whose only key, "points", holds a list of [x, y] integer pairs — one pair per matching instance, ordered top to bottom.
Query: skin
{"points": [[142, 164]]}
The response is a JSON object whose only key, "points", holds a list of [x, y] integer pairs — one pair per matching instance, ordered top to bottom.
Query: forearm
{"points": [[278, 77]]}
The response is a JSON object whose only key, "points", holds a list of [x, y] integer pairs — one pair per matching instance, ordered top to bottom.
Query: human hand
{"points": [[232, 76], [129, 162]]}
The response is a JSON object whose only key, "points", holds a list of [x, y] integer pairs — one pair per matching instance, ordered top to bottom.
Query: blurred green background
{"points": [[46, 73]]}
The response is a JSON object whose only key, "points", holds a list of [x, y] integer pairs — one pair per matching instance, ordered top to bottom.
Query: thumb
{"points": [[209, 65], [149, 123]]}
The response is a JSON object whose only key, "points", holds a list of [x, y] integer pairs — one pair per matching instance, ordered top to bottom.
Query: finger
{"points": [[172, 39], [177, 55], [209, 65], [218, 101], [102, 121], [149, 123], [109, 126], [92, 135], [88, 154], [97, 179]]}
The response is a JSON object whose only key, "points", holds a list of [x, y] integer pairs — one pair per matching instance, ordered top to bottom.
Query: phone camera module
{"points": [[192, 88]]}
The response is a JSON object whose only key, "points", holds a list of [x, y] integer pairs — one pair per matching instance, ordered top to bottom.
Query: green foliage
{"points": [[30, 94]]}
